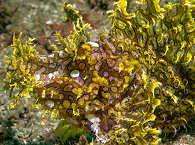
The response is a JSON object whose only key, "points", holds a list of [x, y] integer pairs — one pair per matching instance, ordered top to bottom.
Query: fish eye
{"points": [[75, 73]]}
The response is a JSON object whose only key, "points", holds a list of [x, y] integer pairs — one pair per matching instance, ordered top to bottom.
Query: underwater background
{"points": [[40, 19]]}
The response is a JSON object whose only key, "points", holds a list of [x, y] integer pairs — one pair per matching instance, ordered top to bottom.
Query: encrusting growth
{"points": [[129, 85]]}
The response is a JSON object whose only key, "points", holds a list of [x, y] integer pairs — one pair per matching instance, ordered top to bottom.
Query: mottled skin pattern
{"points": [[102, 83]]}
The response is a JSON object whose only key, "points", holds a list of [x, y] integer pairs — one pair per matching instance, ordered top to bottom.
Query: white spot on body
{"points": [[93, 44], [61, 53], [51, 56], [43, 58], [50, 75], [37, 76], [49, 103]]}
